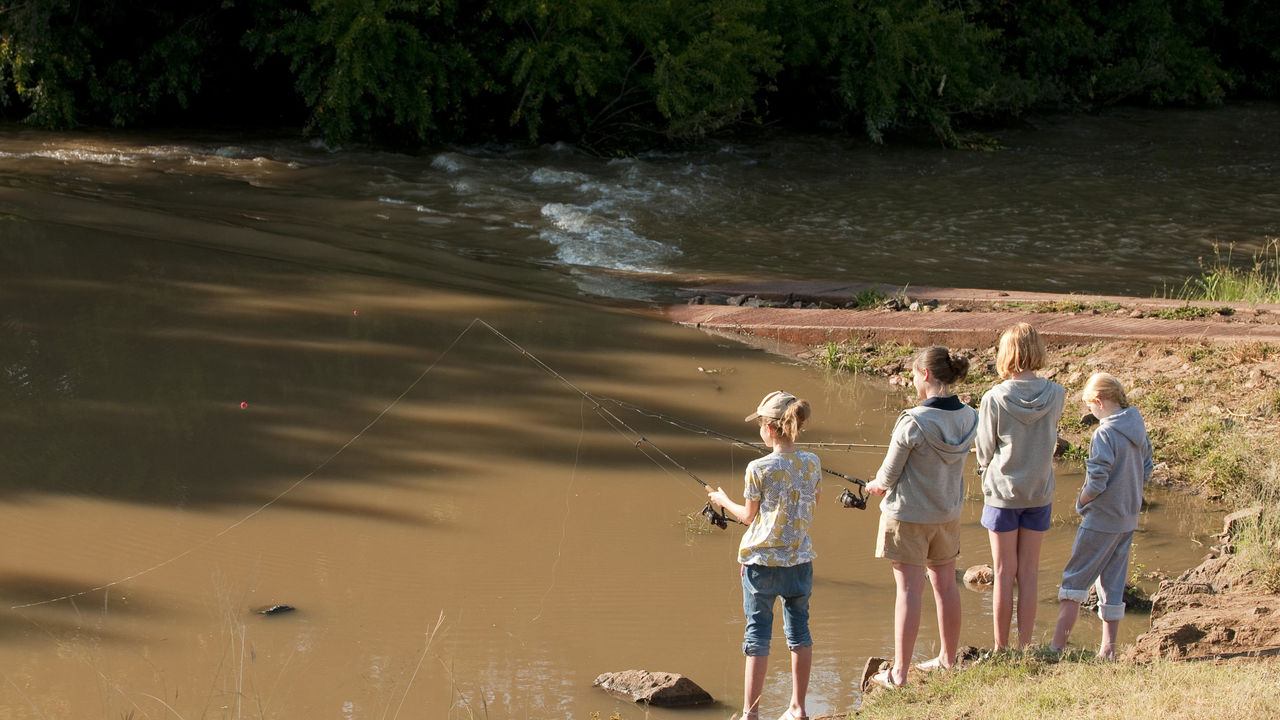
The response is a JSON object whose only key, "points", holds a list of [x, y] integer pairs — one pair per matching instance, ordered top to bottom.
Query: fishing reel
{"points": [[849, 500], [719, 519]]}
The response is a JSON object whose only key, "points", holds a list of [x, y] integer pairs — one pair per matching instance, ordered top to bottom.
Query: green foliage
{"points": [[1080, 53], [893, 61], [119, 63], [378, 68], [609, 70], [621, 74]]}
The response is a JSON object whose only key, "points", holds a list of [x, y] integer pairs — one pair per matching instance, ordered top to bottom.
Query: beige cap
{"points": [[773, 406]]}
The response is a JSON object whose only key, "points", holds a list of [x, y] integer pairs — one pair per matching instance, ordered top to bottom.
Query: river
{"points": [[247, 371]]}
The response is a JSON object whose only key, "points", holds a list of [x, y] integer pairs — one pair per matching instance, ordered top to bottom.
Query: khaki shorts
{"points": [[911, 543]]}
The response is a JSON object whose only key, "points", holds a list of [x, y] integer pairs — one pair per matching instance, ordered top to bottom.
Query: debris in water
{"points": [[273, 609]]}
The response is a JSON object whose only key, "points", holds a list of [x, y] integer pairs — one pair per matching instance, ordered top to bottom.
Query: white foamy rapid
{"points": [[584, 238]]}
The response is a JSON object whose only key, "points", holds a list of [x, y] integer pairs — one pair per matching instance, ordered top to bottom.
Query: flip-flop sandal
{"points": [[878, 671], [884, 678]]}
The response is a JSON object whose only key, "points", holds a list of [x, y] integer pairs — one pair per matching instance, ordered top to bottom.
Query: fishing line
{"points": [[611, 419], [847, 498], [273, 500], [718, 519], [564, 525]]}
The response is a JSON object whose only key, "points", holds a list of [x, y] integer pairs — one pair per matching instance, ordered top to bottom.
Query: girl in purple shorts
{"points": [[1017, 435]]}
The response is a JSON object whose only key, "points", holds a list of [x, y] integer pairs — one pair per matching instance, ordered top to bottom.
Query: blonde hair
{"points": [[1020, 349], [942, 364], [1105, 386], [792, 420]]}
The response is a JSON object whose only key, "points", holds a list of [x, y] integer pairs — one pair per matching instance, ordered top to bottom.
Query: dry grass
{"points": [[1035, 686]]}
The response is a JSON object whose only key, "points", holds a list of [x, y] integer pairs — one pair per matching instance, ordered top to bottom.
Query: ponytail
{"points": [[947, 367], [792, 420]]}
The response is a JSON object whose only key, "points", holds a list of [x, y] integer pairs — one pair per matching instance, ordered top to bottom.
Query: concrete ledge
{"points": [[958, 329]]}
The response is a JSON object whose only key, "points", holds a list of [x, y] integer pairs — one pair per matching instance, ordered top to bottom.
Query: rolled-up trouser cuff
{"points": [[1080, 596], [1111, 612]]}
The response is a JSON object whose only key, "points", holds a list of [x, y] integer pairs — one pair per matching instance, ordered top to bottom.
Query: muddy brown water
{"points": [[243, 374]]}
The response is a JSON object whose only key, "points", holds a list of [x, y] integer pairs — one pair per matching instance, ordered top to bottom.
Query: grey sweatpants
{"points": [[1100, 558]]}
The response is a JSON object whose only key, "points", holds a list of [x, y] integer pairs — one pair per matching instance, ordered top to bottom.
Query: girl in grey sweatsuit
{"points": [[1017, 435], [1119, 465]]}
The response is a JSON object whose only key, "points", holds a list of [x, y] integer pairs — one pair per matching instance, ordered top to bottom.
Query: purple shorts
{"points": [[998, 519]]}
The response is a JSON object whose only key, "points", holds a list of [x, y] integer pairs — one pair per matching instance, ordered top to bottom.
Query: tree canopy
{"points": [[619, 74]]}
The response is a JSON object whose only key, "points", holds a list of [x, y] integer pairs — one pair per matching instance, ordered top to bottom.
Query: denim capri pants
{"points": [[1102, 559], [761, 585]]}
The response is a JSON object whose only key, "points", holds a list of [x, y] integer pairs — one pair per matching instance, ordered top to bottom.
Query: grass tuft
{"points": [[1222, 280]]}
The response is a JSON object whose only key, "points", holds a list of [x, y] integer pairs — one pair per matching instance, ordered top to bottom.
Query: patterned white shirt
{"points": [[787, 486]]}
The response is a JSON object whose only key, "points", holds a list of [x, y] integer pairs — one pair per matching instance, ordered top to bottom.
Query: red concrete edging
{"points": [[976, 328]]}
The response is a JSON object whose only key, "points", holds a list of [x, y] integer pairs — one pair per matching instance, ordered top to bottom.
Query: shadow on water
{"points": [[131, 388]]}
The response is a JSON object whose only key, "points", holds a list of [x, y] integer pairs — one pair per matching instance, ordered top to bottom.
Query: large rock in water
{"points": [[979, 575], [660, 688]]}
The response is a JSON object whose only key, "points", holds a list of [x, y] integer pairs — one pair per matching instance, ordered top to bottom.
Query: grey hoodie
{"points": [[1017, 434], [1118, 466], [924, 467]]}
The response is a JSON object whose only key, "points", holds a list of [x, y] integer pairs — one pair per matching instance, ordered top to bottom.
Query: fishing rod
{"points": [[847, 498], [719, 519]]}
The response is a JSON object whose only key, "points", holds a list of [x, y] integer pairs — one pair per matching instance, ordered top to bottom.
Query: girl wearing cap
{"points": [[1017, 435], [922, 483], [776, 554]]}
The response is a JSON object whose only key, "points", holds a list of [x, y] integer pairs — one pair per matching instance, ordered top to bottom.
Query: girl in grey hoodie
{"points": [[1017, 435], [1119, 465], [922, 483]]}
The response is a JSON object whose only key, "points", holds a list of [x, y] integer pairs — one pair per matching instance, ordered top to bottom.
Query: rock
{"points": [[698, 300], [735, 300], [754, 302], [1137, 314], [1088, 420], [1061, 448], [1160, 475], [1209, 572], [979, 575], [1173, 596], [273, 609], [1214, 610], [662, 689]]}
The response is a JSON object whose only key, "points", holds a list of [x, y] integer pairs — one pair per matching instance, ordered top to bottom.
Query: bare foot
{"points": [[929, 666]]}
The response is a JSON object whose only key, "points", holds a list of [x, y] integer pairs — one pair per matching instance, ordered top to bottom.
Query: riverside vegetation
{"points": [[620, 75], [1211, 411]]}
